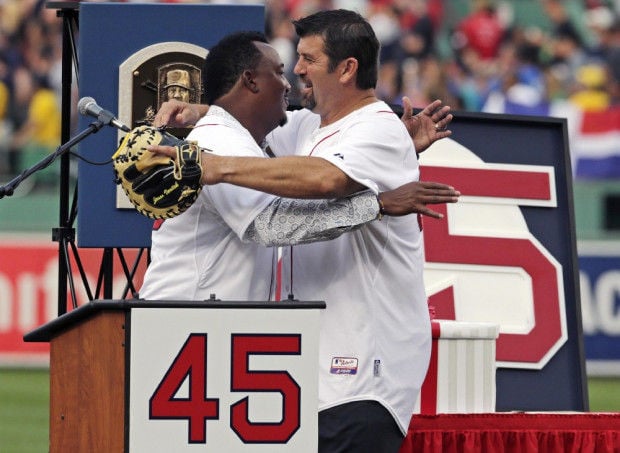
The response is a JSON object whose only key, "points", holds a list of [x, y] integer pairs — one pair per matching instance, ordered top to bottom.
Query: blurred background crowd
{"points": [[483, 55], [537, 57]]}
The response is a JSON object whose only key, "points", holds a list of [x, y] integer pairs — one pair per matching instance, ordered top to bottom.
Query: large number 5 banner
{"points": [[506, 253]]}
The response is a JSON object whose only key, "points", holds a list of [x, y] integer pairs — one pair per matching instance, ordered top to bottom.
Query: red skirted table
{"points": [[514, 432]]}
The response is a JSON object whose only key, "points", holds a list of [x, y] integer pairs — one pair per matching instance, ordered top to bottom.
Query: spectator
{"points": [[605, 27], [482, 31], [418, 37], [612, 56], [522, 88], [22, 91], [591, 94], [5, 130], [37, 132]]}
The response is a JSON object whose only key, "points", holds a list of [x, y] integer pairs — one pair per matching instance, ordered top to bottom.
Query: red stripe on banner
{"points": [[601, 122], [528, 184], [428, 393]]}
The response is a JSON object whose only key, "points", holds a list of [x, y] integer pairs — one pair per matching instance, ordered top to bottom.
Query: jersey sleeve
{"points": [[289, 222]]}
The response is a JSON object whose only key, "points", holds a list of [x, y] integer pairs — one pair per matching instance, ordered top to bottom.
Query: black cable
{"points": [[107, 162]]}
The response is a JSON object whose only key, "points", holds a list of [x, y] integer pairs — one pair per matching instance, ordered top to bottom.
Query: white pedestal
{"points": [[461, 374]]}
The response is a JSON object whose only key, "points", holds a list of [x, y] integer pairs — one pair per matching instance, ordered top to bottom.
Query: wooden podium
{"points": [[183, 376]]}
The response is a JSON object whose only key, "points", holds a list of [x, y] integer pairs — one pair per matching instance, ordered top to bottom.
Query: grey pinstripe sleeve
{"points": [[289, 221]]}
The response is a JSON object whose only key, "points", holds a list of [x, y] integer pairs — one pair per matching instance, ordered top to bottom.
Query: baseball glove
{"points": [[158, 186]]}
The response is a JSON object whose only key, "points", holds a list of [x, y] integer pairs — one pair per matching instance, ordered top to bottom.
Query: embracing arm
{"points": [[176, 113], [291, 176], [314, 177], [290, 222]]}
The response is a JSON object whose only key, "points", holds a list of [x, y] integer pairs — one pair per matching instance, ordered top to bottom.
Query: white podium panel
{"points": [[461, 374], [223, 380]]}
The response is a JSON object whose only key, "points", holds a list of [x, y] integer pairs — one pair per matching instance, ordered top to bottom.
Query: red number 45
{"points": [[197, 408]]}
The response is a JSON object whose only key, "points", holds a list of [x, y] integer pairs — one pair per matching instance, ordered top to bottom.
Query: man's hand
{"points": [[174, 113], [428, 126], [208, 161], [414, 196]]}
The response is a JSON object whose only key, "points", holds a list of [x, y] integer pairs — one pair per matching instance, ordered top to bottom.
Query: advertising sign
{"points": [[599, 275], [29, 292]]}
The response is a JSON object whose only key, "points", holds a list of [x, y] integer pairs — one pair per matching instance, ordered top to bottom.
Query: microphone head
{"points": [[84, 103]]}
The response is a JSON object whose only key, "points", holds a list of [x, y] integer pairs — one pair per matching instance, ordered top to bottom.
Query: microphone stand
{"points": [[9, 188], [65, 234]]}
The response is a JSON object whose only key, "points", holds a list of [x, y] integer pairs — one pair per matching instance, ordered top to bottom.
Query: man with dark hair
{"points": [[354, 39], [222, 71], [376, 320], [375, 332]]}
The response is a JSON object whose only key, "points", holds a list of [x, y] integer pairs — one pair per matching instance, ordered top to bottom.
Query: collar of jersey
{"points": [[229, 120]]}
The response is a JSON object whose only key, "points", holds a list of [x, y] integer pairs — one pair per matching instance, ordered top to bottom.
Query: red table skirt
{"points": [[516, 432]]}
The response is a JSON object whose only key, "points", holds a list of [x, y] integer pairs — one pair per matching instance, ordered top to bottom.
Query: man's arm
{"points": [[176, 113], [290, 176], [301, 177], [290, 222]]}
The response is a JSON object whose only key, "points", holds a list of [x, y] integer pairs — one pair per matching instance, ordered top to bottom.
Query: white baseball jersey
{"points": [[212, 248], [199, 252], [375, 334]]}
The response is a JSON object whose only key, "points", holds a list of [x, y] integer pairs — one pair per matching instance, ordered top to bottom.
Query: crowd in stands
{"points": [[485, 61], [492, 63], [30, 83]]}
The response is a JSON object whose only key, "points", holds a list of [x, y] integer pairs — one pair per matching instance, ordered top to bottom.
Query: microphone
{"points": [[88, 106]]}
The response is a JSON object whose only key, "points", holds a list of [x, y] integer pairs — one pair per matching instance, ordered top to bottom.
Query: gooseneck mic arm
{"points": [[86, 106], [9, 188]]}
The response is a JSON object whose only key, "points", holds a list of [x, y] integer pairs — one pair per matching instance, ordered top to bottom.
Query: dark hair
{"points": [[345, 34], [227, 60]]}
